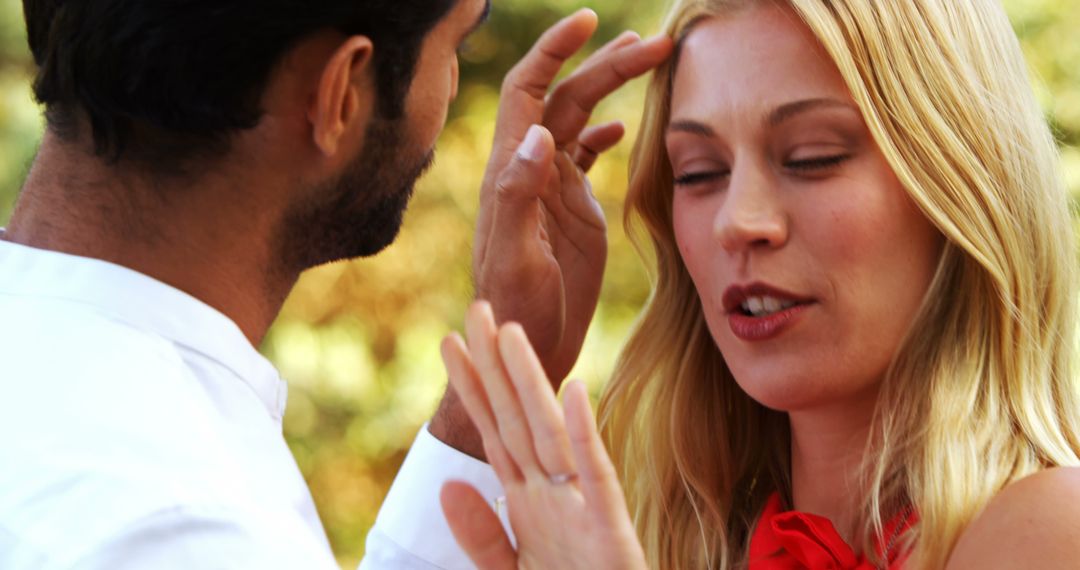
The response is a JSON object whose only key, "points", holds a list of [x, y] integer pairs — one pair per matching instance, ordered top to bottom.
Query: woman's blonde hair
{"points": [[981, 391]]}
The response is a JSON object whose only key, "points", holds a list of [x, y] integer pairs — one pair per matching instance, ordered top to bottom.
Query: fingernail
{"points": [[588, 11], [659, 39], [532, 147], [486, 310]]}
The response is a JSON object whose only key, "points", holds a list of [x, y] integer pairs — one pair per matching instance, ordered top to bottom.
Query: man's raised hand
{"points": [[541, 241]]}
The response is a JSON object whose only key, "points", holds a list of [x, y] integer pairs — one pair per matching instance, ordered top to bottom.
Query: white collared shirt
{"points": [[140, 429], [411, 532]]}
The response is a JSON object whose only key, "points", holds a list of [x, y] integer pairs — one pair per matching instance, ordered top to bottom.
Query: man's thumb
{"points": [[527, 175]]}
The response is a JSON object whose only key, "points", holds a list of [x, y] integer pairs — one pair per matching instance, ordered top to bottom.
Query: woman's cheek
{"points": [[844, 234]]}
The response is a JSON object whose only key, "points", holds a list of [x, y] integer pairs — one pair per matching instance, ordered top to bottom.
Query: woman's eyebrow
{"points": [[789, 110], [777, 116], [692, 127]]}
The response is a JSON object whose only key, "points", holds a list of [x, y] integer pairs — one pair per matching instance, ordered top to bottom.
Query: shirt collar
{"points": [[144, 303]]}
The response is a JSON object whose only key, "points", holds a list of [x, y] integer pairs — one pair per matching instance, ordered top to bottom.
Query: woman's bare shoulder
{"points": [[1032, 523]]}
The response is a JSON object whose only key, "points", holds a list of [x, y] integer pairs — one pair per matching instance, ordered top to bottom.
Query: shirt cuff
{"points": [[412, 517]]}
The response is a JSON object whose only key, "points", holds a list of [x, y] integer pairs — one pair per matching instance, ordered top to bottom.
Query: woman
{"points": [[864, 309]]}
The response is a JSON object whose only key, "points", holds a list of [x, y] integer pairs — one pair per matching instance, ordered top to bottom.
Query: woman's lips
{"points": [[758, 311], [754, 329]]}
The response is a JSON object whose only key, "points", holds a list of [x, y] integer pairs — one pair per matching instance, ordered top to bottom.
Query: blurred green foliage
{"points": [[359, 341]]}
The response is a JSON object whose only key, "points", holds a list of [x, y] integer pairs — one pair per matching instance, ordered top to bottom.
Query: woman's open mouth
{"points": [[758, 312]]}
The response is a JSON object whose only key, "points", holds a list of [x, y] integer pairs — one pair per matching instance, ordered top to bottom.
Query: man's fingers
{"points": [[622, 40], [535, 72], [526, 85], [524, 98], [572, 102], [595, 141], [525, 177], [576, 197], [511, 209], [463, 378], [599, 483], [476, 527]]}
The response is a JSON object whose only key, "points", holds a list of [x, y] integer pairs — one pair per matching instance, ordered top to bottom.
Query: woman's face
{"points": [[809, 257]]}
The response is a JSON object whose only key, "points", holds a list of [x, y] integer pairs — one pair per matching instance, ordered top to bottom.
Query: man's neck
{"points": [[197, 239]]}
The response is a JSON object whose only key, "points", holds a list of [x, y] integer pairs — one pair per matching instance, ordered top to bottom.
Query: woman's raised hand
{"points": [[564, 501]]}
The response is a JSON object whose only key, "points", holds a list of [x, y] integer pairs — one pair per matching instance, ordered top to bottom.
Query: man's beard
{"points": [[361, 212]]}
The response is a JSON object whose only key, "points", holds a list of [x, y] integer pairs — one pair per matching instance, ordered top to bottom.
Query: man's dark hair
{"points": [[164, 81]]}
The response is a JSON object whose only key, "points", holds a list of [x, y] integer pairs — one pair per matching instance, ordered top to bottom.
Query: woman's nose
{"points": [[753, 213]]}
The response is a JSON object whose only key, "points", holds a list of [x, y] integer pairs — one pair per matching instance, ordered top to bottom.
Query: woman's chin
{"points": [[790, 391]]}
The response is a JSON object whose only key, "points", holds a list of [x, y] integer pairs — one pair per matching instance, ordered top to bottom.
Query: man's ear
{"points": [[339, 100]]}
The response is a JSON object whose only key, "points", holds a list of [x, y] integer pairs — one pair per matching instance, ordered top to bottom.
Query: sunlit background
{"points": [[359, 341]]}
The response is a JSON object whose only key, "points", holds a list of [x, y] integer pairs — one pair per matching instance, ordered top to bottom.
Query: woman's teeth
{"points": [[763, 306]]}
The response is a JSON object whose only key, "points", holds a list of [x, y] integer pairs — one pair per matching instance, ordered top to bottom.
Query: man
{"points": [[198, 157]]}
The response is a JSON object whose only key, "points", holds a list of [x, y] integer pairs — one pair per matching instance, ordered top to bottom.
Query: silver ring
{"points": [[562, 478], [500, 505]]}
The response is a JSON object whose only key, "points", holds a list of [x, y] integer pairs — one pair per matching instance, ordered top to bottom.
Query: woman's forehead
{"points": [[760, 56]]}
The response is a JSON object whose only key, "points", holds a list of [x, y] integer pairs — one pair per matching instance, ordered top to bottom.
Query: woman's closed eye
{"points": [[816, 164], [806, 165], [695, 178]]}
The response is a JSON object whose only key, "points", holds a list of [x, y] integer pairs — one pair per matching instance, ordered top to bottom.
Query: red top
{"points": [[802, 541]]}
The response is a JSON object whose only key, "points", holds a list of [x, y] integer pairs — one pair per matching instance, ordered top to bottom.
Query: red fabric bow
{"points": [[802, 541]]}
